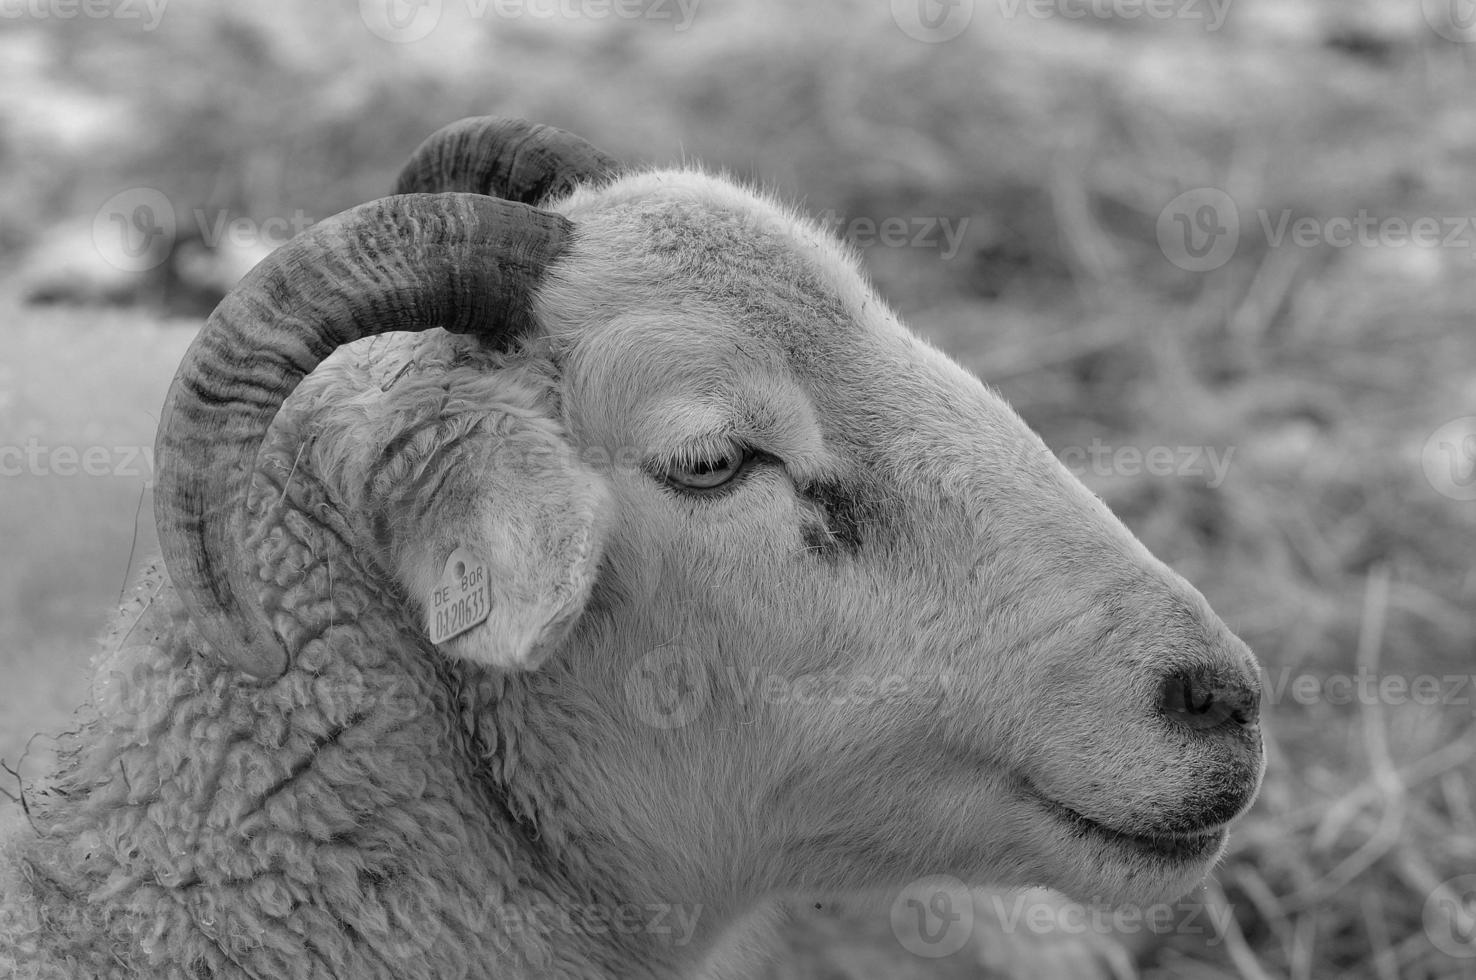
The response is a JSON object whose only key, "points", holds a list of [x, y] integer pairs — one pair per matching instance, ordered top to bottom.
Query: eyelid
{"points": [[700, 450], [748, 459]]}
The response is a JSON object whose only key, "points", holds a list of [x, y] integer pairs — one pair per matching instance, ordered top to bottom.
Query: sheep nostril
{"points": [[1197, 699]]}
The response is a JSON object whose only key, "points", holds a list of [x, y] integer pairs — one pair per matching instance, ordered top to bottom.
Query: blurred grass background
{"points": [[1055, 144]]}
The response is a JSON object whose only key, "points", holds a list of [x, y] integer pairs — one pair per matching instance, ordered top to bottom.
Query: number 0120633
{"points": [[462, 598]]}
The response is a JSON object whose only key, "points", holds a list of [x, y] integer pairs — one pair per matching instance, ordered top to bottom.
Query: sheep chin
{"points": [[1095, 864]]}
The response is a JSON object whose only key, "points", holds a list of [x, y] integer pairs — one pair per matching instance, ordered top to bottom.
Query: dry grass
{"points": [[1323, 370]]}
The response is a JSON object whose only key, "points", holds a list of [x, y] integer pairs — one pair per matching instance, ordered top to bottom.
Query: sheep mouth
{"points": [[1182, 848]]}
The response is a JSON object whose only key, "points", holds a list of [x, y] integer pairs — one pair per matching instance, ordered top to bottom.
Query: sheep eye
{"points": [[709, 473]]}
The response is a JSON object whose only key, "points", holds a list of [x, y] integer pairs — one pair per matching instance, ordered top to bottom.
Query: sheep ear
{"points": [[481, 510], [508, 551]]}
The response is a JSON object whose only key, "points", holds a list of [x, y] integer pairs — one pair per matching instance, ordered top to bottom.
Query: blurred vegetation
{"points": [[1057, 143]]}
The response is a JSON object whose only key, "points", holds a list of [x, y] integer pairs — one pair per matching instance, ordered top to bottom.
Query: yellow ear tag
{"points": [[462, 598]]}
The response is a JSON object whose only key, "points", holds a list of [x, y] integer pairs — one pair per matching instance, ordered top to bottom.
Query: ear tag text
{"points": [[462, 598]]}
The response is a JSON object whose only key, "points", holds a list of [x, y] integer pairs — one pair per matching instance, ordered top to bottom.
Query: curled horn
{"points": [[506, 158], [465, 262]]}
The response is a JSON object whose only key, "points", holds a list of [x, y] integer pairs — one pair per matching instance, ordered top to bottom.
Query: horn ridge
{"points": [[508, 158], [465, 262]]}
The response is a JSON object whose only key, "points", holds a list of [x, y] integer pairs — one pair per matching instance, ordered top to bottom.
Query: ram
{"points": [[625, 573]]}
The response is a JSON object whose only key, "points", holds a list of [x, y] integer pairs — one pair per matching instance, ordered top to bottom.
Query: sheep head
{"points": [[785, 598]]}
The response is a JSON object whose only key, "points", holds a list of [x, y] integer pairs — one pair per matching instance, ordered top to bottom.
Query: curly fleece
{"points": [[341, 821]]}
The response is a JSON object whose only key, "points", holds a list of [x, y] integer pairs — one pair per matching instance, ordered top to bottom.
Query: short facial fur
{"points": [[901, 523]]}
